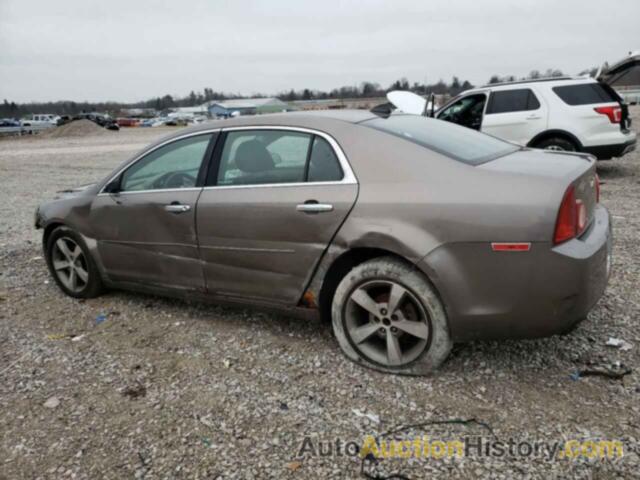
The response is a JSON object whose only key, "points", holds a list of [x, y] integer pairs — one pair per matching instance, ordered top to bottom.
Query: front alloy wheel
{"points": [[71, 264]]}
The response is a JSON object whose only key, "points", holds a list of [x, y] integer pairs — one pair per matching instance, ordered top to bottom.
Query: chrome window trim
{"points": [[147, 152], [349, 177], [272, 185], [157, 190]]}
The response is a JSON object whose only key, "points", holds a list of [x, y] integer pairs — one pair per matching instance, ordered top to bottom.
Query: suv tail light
{"points": [[614, 113], [572, 217]]}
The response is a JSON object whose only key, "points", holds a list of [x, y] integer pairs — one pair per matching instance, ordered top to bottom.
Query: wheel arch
{"points": [[555, 133], [48, 230], [90, 242], [341, 265]]}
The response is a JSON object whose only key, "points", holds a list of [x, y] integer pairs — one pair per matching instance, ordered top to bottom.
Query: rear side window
{"points": [[585, 94], [506, 101], [460, 143], [255, 157]]}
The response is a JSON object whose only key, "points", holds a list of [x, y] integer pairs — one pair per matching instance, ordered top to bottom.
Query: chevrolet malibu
{"points": [[406, 232]]}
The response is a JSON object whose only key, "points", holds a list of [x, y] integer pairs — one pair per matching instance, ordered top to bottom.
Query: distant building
{"points": [[246, 106], [191, 111]]}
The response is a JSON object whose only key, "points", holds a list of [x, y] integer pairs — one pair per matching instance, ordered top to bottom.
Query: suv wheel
{"points": [[557, 144], [71, 264], [387, 316]]}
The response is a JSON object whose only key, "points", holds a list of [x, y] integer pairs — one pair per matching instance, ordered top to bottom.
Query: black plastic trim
{"points": [[605, 152], [205, 165], [211, 177]]}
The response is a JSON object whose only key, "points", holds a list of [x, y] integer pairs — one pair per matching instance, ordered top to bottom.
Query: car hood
{"points": [[88, 189]]}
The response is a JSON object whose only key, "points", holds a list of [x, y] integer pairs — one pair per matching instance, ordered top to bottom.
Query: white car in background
{"points": [[570, 114], [40, 120]]}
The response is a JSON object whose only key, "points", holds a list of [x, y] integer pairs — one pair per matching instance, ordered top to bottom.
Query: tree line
{"points": [[363, 90]]}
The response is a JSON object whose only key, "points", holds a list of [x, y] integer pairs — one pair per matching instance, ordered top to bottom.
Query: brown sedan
{"points": [[408, 233]]}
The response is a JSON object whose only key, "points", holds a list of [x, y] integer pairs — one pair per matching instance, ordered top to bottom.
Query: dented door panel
{"points": [[139, 240], [255, 242]]}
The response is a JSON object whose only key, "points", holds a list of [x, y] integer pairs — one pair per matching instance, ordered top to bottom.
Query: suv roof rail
{"points": [[536, 80]]}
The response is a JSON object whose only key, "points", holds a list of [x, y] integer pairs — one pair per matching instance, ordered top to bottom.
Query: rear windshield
{"points": [[584, 94], [459, 143]]}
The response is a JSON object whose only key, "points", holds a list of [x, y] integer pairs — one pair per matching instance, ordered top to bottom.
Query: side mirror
{"points": [[113, 186]]}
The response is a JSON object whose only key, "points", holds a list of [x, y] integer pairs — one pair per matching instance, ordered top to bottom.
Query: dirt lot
{"points": [[165, 389]]}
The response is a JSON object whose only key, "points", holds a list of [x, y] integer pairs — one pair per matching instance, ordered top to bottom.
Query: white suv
{"points": [[571, 114]]}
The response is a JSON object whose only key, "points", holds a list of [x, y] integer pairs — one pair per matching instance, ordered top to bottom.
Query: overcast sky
{"points": [[128, 50]]}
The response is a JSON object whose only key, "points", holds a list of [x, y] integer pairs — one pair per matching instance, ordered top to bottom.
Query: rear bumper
{"points": [[605, 152], [497, 295]]}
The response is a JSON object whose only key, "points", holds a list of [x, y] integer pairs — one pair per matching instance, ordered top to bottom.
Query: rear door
{"points": [[516, 115], [274, 199]]}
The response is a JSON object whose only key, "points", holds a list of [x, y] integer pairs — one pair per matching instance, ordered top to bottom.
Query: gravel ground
{"points": [[167, 389]]}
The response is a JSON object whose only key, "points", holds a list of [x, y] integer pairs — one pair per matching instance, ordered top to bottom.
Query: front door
{"points": [[466, 111], [515, 115], [274, 201], [146, 229]]}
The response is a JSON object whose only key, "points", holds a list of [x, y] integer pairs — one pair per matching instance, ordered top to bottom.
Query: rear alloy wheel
{"points": [[556, 144], [71, 264], [387, 316]]}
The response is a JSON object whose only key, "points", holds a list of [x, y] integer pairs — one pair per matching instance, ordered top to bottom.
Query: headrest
{"points": [[253, 157]]}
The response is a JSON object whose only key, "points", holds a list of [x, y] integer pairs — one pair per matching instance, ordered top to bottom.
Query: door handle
{"points": [[534, 117], [314, 207], [177, 208]]}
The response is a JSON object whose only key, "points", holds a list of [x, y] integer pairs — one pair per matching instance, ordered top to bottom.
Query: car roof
{"points": [[531, 80], [549, 82], [308, 119], [327, 121]]}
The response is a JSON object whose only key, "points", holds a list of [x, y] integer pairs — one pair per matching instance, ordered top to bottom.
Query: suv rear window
{"points": [[584, 94], [512, 101], [454, 141]]}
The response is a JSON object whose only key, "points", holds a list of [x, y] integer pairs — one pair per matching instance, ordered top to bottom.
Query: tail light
{"points": [[614, 113], [572, 217]]}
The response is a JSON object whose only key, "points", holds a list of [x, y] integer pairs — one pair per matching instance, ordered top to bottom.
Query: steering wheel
{"points": [[175, 180]]}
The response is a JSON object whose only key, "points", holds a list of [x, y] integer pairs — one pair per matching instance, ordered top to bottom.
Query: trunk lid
{"points": [[620, 79], [577, 169]]}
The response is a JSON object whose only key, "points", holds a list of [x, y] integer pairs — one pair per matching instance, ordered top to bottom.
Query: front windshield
{"points": [[459, 143]]}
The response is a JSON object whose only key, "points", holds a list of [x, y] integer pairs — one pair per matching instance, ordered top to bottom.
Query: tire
{"points": [[558, 144], [69, 278], [364, 333]]}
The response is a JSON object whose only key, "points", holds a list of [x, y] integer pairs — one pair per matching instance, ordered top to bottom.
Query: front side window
{"points": [[505, 101], [467, 111], [445, 138], [253, 157], [175, 165]]}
